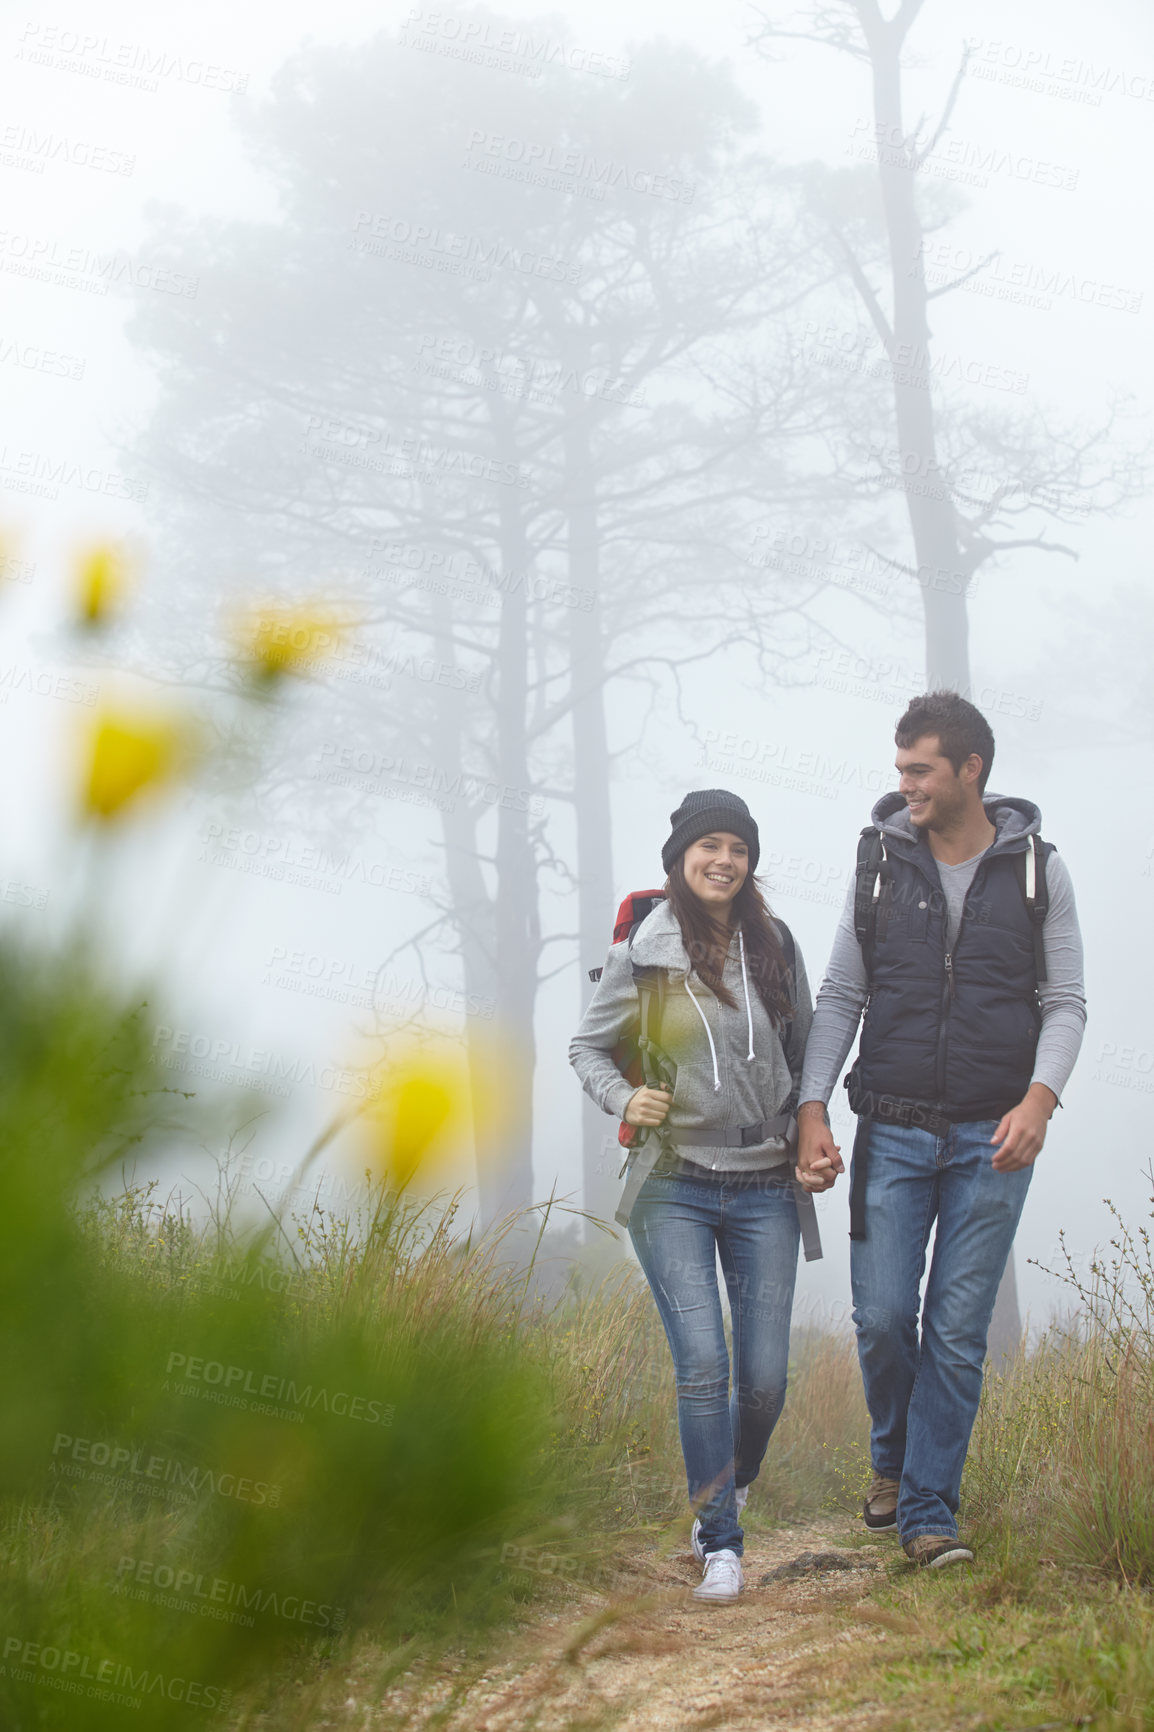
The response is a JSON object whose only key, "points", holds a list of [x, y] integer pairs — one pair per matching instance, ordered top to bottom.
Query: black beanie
{"points": [[704, 811]]}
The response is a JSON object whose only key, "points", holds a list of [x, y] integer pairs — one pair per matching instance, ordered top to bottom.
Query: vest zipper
{"points": [[951, 986]]}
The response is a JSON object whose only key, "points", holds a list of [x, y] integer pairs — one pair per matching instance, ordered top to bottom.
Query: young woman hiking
{"points": [[732, 1033]]}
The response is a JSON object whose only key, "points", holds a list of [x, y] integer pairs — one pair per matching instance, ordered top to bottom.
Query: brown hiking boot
{"points": [[881, 1504], [932, 1551]]}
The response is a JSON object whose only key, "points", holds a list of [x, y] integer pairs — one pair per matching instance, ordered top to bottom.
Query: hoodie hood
{"points": [[1013, 819], [658, 943]]}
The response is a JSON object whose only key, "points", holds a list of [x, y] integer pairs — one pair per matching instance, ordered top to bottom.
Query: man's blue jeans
{"points": [[679, 1226], [923, 1396]]}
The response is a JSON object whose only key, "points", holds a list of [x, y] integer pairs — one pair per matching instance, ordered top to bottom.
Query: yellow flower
{"points": [[102, 579], [275, 641], [127, 754], [417, 1101]]}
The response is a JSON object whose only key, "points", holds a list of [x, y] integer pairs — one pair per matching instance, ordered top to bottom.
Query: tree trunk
{"points": [[933, 521], [943, 570], [517, 925], [497, 929], [600, 1159]]}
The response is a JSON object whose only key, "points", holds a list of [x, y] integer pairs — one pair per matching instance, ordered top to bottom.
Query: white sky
{"points": [[1028, 623]]}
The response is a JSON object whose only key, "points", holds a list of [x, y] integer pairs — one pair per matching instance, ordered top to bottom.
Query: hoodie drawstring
{"points": [[745, 983], [708, 1034]]}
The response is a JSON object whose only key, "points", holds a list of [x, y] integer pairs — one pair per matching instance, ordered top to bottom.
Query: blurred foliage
{"points": [[201, 1434]]}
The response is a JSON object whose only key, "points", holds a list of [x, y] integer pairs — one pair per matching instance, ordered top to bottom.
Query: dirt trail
{"points": [[653, 1660]]}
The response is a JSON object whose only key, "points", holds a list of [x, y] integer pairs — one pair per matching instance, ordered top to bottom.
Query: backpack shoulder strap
{"points": [[871, 854], [1031, 869], [789, 949], [651, 983], [793, 1055]]}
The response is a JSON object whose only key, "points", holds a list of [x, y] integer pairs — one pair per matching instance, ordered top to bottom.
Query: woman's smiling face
{"points": [[715, 868]]}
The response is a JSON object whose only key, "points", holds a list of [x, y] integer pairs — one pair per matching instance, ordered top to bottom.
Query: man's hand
{"points": [[648, 1106], [1022, 1131], [818, 1157]]}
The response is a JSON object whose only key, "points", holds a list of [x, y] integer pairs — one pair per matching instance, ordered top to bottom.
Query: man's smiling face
{"points": [[934, 791]]}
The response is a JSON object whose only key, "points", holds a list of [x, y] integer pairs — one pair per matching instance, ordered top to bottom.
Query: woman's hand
{"points": [[648, 1106]]}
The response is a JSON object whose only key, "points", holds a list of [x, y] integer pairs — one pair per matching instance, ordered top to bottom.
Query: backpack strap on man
{"points": [[871, 855], [1031, 865]]}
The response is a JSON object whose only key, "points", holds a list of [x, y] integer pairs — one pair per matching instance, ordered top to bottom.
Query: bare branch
{"points": [[831, 29], [950, 104], [865, 289], [932, 294], [1039, 541]]}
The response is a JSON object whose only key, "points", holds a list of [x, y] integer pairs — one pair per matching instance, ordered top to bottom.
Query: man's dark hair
{"points": [[960, 728]]}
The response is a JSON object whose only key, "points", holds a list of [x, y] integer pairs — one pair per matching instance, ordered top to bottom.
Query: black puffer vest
{"points": [[955, 1032]]}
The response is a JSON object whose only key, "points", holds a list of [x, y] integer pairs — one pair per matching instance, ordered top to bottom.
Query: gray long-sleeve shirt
{"points": [[844, 990], [732, 1068]]}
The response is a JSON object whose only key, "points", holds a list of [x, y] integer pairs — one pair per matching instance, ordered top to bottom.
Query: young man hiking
{"points": [[960, 942]]}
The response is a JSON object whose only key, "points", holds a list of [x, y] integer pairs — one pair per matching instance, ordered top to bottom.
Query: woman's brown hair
{"points": [[706, 941]]}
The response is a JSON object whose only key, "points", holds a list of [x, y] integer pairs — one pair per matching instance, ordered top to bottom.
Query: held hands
{"points": [[648, 1106], [1022, 1131], [818, 1157]]}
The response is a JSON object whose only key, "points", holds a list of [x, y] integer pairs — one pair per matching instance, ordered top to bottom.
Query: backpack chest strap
{"points": [[739, 1136]]}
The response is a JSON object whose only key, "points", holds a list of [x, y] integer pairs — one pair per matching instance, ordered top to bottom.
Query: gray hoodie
{"points": [[731, 1067]]}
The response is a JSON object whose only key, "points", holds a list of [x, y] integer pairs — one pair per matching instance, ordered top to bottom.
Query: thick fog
{"points": [[535, 361]]}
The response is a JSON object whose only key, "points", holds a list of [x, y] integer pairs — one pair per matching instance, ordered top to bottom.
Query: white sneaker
{"points": [[740, 1497], [723, 1579]]}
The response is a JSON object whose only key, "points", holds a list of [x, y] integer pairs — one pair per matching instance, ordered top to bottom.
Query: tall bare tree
{"points": [[568, 432], [976, 486]]}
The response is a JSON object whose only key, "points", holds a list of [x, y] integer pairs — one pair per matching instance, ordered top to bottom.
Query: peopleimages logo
{"points": [[509, 50], [136, 64], [1041, 69], [24, 147], [958, 159], [571, 170], [416, 243], [50, 261], [1025, 282], [33, 359], [409, 455], [44, 474], [455, 574], [444, 787], [308, 867], [224, 1060], [280, 1392], [125, 1465], [164, 1584], [78, 1674]]}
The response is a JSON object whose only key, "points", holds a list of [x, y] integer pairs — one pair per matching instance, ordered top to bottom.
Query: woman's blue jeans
{"points": [[679, 1227], [923, 1393]]}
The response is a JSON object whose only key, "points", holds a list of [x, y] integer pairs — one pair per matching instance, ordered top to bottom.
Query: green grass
{"points": [[238, 1466]]}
